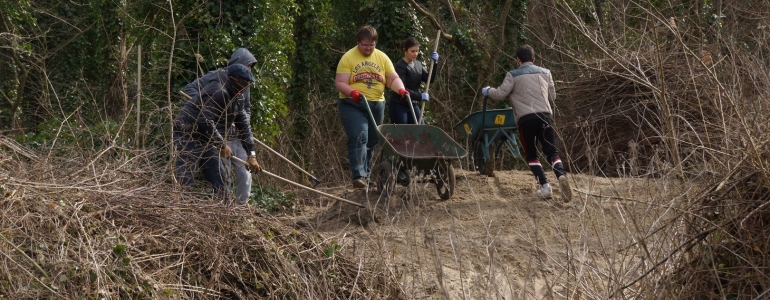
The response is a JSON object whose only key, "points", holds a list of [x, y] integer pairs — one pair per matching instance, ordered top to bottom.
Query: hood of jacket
{"points": [[242, 56]]}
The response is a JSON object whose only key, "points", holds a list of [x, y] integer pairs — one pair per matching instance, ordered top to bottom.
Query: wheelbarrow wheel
{"points": [[385, 179], [445, 180]]}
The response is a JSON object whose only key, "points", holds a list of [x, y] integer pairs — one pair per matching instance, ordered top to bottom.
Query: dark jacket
{"points": [[240, 56], [412, 77], [219, 102]]}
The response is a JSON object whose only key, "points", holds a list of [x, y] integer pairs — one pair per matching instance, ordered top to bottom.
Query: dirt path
{"points": [[495, 239]]}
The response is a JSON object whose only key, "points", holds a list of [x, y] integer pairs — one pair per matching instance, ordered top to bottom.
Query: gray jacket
{"points": [[530, 89]]}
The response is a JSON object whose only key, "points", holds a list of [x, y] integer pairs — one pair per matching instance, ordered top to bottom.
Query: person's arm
{"points": [[395, 82], [342, 83], [551, 89], [503, 90], [212, 107]]}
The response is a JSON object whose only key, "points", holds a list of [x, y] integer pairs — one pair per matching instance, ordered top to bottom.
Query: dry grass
{"points": [[105, 227]]}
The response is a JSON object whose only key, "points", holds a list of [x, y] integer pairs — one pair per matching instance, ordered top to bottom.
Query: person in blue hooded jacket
{"points": [[204, 121], [242, 175]]}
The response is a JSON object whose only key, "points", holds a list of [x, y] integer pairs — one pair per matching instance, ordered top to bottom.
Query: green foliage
{"points": [[394, 20], [311, 26], [86, 137], [271, 199], [119, 250], [329, 251]]}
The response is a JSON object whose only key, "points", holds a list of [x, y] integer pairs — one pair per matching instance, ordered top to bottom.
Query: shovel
{"points": [[430, 72], [219, 138], [287, 160], [315, 180], [302, 186]]}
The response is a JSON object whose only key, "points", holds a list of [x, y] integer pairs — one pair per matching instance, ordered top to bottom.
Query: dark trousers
{"points": [[399, 113], [540, 129], [361, 133], [192, 155]]}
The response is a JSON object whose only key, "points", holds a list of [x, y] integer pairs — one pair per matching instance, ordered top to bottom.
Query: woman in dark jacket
{"points": [[412, 73]]}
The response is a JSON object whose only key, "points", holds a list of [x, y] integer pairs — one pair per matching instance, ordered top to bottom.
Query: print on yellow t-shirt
{"points": [[367, 74]]}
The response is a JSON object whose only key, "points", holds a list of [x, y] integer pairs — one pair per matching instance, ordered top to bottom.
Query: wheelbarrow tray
{"points": [[495, 119], [420, 146]]}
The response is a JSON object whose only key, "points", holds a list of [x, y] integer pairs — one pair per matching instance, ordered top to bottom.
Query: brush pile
{"points": [[106, 226]]}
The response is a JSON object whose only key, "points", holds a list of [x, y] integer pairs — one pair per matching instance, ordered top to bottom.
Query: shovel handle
{"points": [[430, 72], [286, 159], [302, 186]]}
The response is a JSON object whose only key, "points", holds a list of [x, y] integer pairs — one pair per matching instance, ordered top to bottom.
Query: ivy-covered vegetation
{"points": [[672, 89]]}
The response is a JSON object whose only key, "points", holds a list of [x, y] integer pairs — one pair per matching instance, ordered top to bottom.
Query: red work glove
{"points": [[403, 93], [356, 96]]}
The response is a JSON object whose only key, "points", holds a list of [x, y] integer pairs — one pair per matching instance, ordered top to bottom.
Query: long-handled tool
{"points": [[430, 72], [219, 138], [271, 150], [287, 160], [302, 186]]}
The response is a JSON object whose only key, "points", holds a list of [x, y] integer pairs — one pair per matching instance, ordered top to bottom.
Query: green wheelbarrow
{"points": [[487, 131], [410, 150]]}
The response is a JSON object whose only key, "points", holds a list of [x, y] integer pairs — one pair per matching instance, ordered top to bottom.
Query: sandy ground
{"points": [[496, 239]]}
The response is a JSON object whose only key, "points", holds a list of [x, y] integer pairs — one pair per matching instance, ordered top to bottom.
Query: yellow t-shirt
{"points": [[367, 74]]}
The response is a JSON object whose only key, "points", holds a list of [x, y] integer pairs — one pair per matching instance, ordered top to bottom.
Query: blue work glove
{"points": [[434, 56], [485, 90], [425, 97]]}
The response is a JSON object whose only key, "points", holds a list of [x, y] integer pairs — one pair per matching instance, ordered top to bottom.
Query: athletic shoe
{"points": [[359, 183], [566, 190], [545, 191]]}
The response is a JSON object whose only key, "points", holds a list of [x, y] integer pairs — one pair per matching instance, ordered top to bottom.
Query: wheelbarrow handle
{"points": [[411, 109], [483, 118], [302, 186]]}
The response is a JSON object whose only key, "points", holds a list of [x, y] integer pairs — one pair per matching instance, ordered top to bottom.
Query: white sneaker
{"points": [[566, 190], [545, 191]]}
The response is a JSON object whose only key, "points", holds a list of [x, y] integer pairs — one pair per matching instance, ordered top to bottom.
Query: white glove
{"points": [[484, 90], [425, 97]]}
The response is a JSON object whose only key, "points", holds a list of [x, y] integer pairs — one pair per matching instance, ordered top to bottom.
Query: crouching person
{"points": [[200, 129]]}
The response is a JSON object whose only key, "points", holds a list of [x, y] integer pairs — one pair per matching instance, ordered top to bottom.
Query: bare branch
{"points": [[432, 19]]}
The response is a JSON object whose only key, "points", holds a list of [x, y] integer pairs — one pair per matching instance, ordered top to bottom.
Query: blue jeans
{"points": [[399, 112], [362, 134], [191, 156], [242, 175]]}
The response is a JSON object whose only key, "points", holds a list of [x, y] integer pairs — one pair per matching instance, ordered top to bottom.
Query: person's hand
{"points": [[434, 56], [485, 90], [403, 93], [356, 96], [425, 96], [225, 152], [253, 165]]}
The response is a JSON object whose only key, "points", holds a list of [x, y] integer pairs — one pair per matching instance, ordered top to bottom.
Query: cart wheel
{"points": [[385, 179], [445, 180]]}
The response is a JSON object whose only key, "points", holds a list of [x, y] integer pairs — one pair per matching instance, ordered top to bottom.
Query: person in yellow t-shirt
{"points": [[364, 70]]}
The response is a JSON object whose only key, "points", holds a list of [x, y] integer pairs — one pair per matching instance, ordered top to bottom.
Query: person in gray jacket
{"points": [[531, 90], [202, 122], [242, 176]]}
